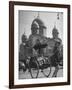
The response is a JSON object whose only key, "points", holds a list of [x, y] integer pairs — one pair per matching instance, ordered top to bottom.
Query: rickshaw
{"points": [[38, 63], [45, 63]]}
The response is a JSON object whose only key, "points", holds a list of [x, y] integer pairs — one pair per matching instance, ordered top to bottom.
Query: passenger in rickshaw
{"points": [[38, 49], [57, 57]]}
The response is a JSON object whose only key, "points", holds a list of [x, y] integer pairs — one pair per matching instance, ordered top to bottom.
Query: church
{"points": [[38, 32]]}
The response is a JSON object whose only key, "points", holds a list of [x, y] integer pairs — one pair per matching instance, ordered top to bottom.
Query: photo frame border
{"points": [[11, 43]]}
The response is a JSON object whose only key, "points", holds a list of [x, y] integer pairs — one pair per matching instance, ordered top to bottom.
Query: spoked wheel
{"points": [[34, 68], [47, 70]]}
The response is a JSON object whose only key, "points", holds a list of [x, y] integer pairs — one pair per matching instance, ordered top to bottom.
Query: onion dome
{"points": [[38, 23], [37, 26], [55, 30], [24, 38]]}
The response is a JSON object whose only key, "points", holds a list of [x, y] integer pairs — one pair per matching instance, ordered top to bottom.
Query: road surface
{"points": [[26, 75]]}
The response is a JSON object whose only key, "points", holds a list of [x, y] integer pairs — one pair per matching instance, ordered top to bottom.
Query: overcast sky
{"points": [[49, 19]]}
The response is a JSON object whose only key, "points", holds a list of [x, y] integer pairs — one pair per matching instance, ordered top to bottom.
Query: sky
{"points": [[25, 19]]}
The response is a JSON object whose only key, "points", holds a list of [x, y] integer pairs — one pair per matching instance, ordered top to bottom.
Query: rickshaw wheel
{"points": [[34, 68], [47, 70]]}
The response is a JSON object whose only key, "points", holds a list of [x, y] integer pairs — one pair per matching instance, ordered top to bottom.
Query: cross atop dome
{"points": [[38, 15]]}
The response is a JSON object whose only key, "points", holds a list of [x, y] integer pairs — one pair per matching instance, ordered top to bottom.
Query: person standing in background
{"points": [[56, 51], [23, 53]]}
